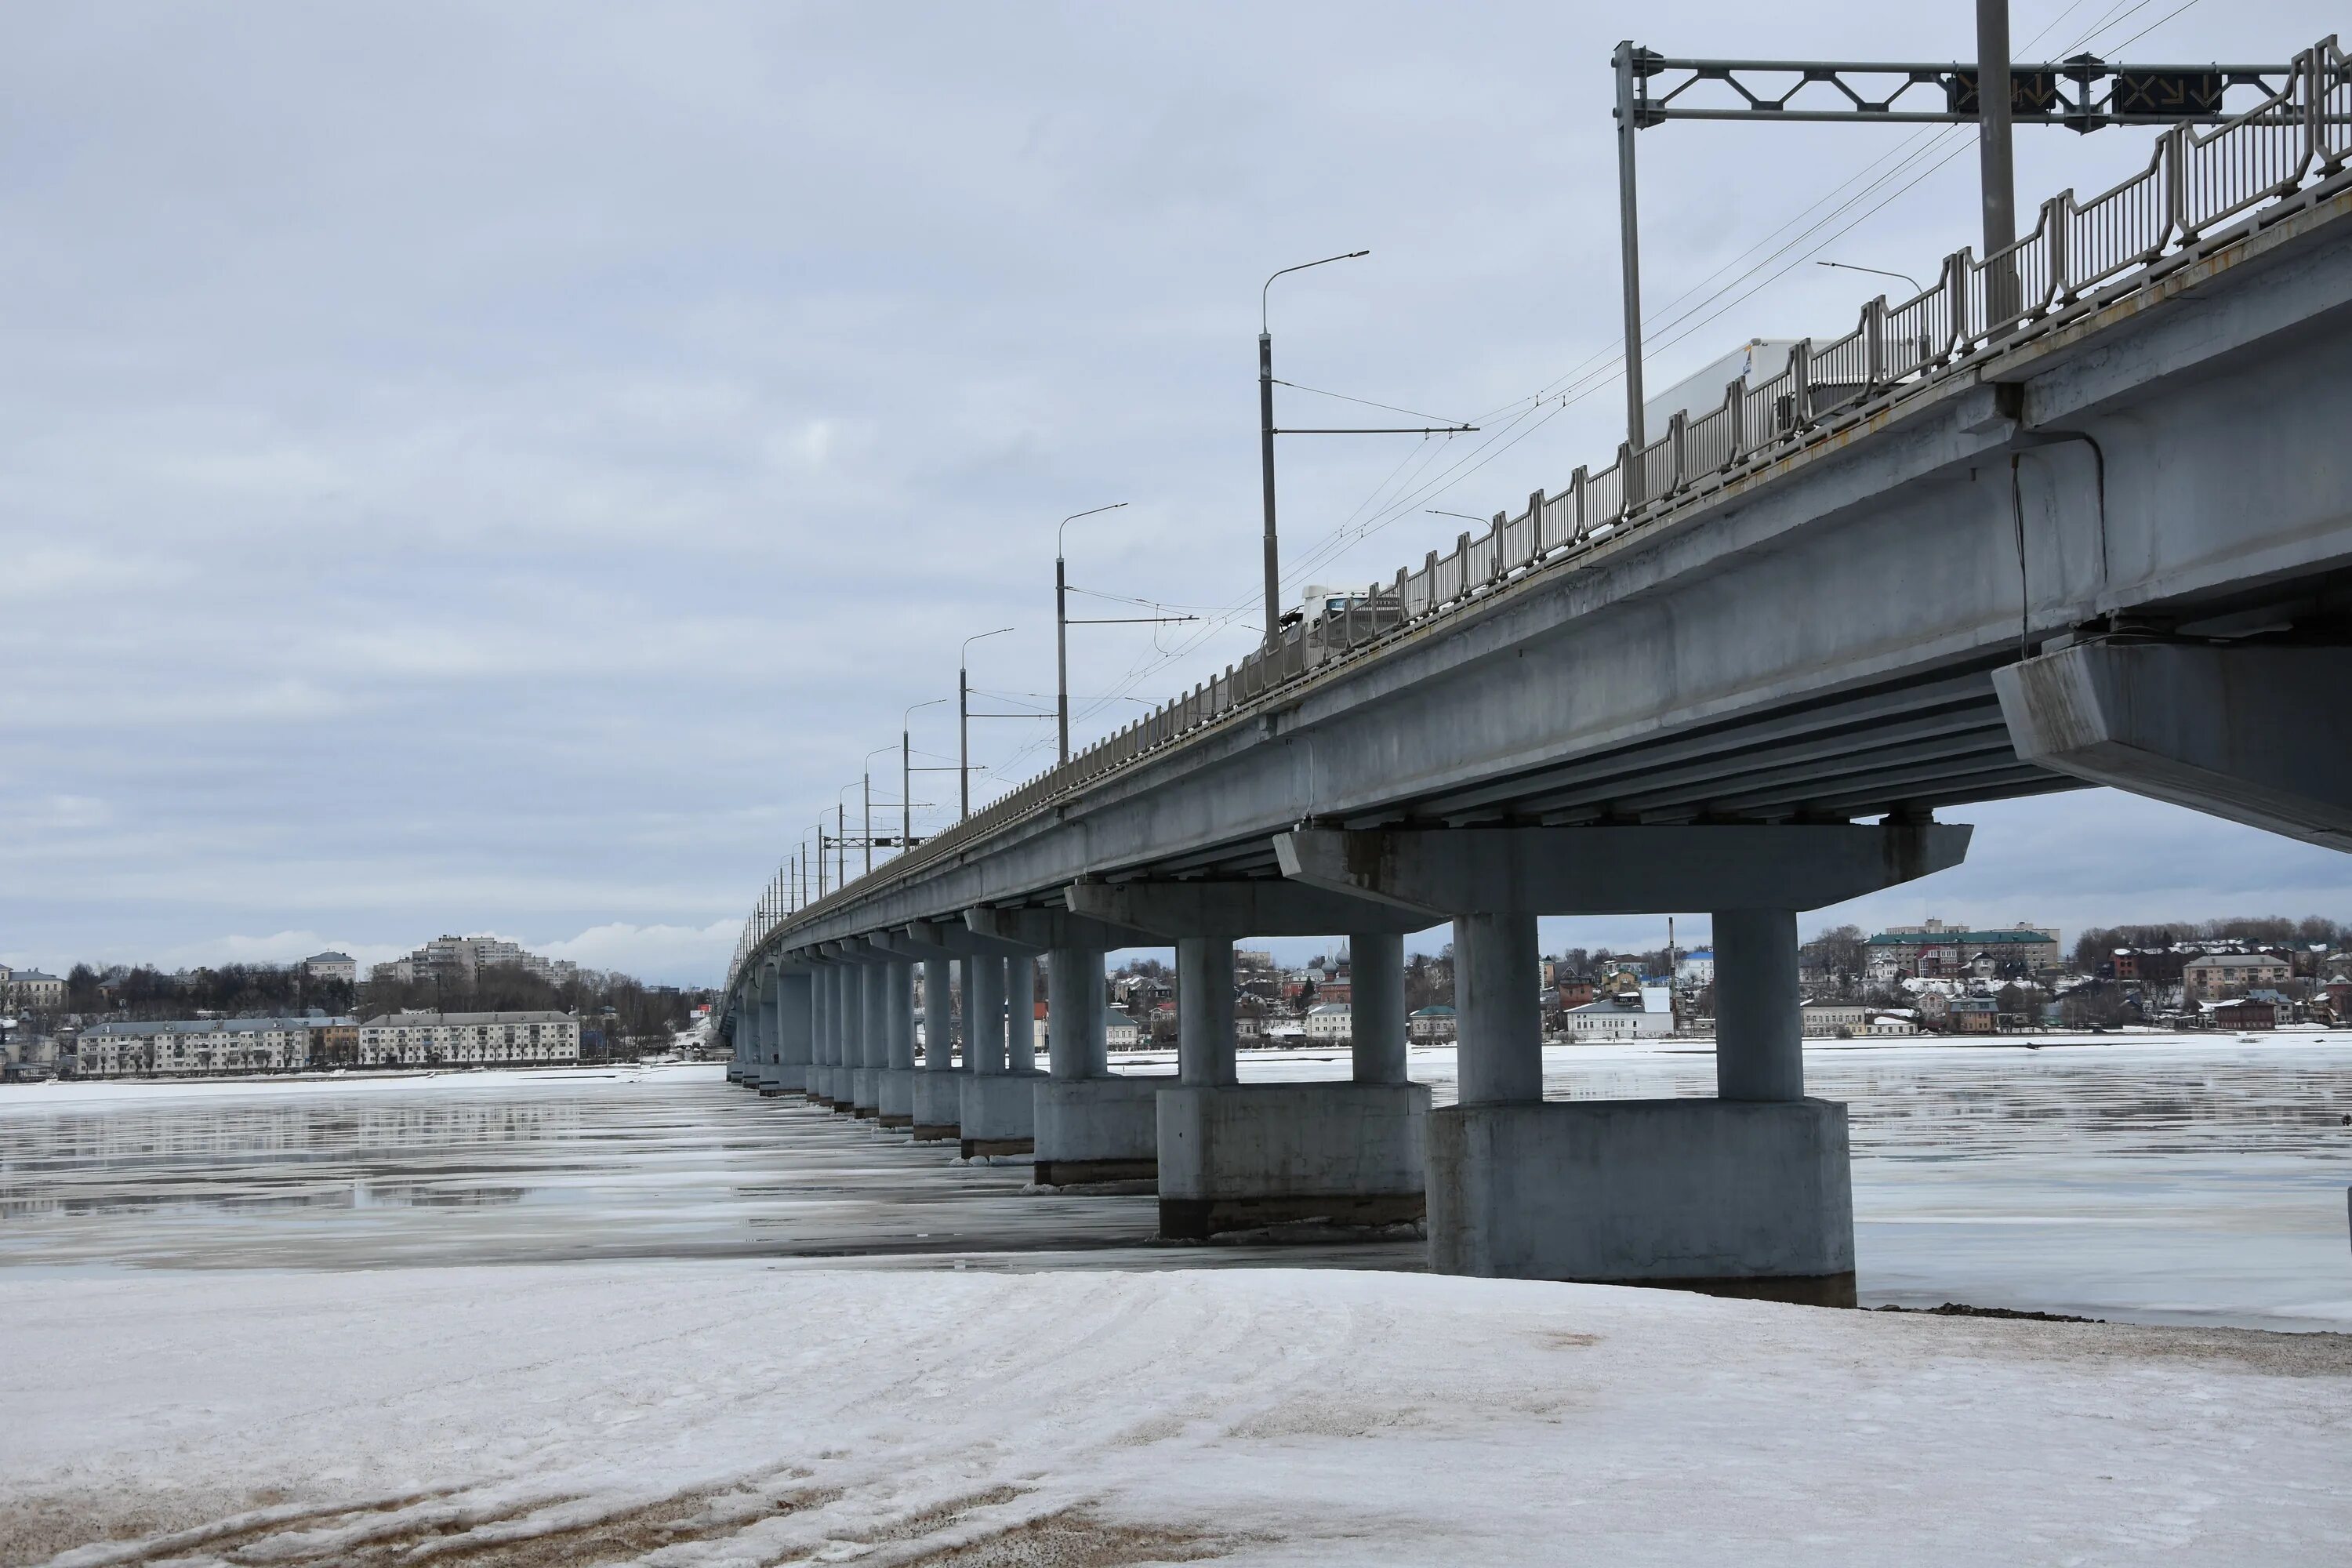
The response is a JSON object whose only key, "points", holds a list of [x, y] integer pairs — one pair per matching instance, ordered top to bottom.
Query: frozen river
{"points": [[2144, 1178]]}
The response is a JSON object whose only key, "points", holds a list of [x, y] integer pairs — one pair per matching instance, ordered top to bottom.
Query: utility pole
{"points": [[1999, 175], [1629, 242], [1266, 434], [1265, 473], [1062, 619], [963, 720], [840, 844]]}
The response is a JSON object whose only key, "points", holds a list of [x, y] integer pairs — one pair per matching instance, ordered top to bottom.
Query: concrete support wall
{"points": [[1376, 963], [1497, 975], [1077, 997], [1204, 1011], [1021, 1013], [1759, 1017], [998, 1114], [1243, 1156], [1645, 1190]]}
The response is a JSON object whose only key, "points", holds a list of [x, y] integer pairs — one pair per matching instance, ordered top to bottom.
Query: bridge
{"points": [[2080, 512]]}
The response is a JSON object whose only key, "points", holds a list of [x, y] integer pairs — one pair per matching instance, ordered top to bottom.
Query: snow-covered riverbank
{"points": [[751, 1412]]}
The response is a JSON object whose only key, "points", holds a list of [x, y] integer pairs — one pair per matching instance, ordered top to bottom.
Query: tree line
{"points": [[618, 1012]]}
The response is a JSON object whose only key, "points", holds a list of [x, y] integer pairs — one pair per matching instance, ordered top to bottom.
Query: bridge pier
{"points": [[821, 1004], [769, 1009], [849, 1028], [793, 1030], [873, 1033], [939, 1093], [897, 1096], [997, 1114], [1092, 1126], [1236, 1156], [1239, 1156], [1750, 1191]]}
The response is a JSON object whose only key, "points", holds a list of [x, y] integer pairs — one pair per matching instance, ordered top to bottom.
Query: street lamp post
{"points": [[1265, 441], [1062, 627], [963, 720], [907, 775], [867, 776]]}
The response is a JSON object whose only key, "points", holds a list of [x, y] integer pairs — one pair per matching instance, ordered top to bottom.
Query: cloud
{"points": [[514, 487], [676, 954]]}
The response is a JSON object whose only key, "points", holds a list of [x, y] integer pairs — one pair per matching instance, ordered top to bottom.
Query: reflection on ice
{"points": [[2199, 1180]]}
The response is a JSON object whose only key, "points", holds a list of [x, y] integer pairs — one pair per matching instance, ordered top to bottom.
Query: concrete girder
{"points": [[2227, 731], [1620, 871], [1236, 908], [1042, 931], [919, 940]]}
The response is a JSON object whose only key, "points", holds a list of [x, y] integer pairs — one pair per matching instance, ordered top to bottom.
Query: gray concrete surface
{"points": [[1242, 1156], [1642, 1190]]}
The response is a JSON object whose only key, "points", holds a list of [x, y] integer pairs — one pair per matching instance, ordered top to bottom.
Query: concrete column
{"points": [[1376, 965], [1497, 971], [899, 979], [794, 993], [1077, 997], [1204, 1011], [828, 1013], [983, 1013], [1021, 1013], [878, 1015], [755, 1018], [939, 1018], [821, 1021], [852, 1022], [771, 1023], [1759, 1052]]}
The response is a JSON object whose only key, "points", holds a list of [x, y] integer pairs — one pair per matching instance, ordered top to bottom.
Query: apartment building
{"points": [[470, 956], [2212, 976], [30, 991], [1330, 1022], [426, 1039], [194, 1048]]}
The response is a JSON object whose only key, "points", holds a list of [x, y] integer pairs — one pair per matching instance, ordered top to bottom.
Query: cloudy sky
{"points": [[503, 467]]}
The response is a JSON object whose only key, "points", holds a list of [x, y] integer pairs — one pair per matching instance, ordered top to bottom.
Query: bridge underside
{"points": [[1950, 596]]}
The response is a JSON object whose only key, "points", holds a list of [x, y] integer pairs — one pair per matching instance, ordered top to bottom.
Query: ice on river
{"points": [[2197, 1180], [509, 1319], [740, 1411]]}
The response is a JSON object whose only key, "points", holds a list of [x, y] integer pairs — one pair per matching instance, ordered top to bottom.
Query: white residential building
{"points": [[470, 956], [331, 966], [1696, 968], [30, 991], [1630, 1016], [1823, 1020], [1328, 1023], [1892, 1025], [1120, 1032], [429, 1038], [194, 1048]]}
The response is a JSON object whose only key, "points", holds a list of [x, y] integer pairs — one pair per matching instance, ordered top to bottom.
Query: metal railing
{"points": [[2197, 180]]}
